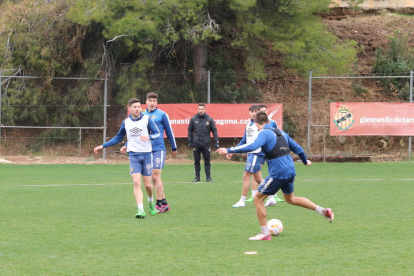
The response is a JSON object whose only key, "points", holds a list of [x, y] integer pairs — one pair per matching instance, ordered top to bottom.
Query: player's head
{"points": [[152, 101], [134, 105], [263, 107], [201, 109], [253, 109], [261, 119]]}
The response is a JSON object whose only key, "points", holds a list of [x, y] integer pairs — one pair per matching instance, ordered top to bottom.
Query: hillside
{"points": [[371, 31]]}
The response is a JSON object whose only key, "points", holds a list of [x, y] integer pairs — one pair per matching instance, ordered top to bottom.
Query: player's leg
{"points": [[197, 157], [159, 161], [207, 164], [147, 165], [253, 166], [135, 171], [245, 190], [304, 202], [261, 212]]}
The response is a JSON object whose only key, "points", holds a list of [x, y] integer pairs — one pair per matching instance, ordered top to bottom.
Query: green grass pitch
{"points": [[80, 220]]}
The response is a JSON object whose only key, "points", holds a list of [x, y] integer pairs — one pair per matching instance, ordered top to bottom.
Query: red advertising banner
{"points": [[230, 119], [353, 119]]}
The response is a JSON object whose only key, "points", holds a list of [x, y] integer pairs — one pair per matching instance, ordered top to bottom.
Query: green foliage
{"points": [[30, 30], [397, 59]]}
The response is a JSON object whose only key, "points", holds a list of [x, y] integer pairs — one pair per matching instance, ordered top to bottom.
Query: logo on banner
{"points": [[343, 118]]}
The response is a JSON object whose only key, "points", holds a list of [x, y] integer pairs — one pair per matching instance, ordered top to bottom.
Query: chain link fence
{"points": [[345, 89], [70, 116]]}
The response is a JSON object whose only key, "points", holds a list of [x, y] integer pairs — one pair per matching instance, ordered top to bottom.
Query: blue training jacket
{"points": [[162, 121], [282, 167]]}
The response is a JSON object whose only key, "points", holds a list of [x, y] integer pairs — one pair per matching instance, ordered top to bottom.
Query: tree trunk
{"points": [[199, 62]]}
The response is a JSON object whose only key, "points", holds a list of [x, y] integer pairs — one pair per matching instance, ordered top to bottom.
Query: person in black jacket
{"points": [[199, 139]]}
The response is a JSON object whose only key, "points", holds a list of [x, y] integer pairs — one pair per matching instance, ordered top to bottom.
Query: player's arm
{"points": [[165, 121], [153, 129], [213, 129], [190, 133], [115, 140], [243, 140], [255, 144], [296, 148]]}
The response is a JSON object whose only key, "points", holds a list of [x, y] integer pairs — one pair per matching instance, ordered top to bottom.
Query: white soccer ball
{"points": [[275, 227]]}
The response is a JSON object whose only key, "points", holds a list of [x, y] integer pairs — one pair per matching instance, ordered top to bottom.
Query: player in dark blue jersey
{"points": [[276, 145], [272, 199]]}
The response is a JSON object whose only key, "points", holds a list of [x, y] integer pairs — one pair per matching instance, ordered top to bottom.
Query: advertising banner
{"points": [[230, 119], [353, 119]]}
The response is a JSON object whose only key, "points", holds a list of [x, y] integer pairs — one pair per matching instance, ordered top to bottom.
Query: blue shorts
{"points": [[159, 159], [263, 161], [253, 163], [141, 164], [270, 186]]}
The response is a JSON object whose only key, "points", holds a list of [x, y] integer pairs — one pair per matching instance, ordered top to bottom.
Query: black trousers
{"points": [[197, 151]]}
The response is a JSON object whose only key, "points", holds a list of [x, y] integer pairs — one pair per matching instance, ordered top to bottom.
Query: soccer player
{"points": [[162, 121], [139, 129], [199, 130], [276, 145], [254, 159], [272, 199]]}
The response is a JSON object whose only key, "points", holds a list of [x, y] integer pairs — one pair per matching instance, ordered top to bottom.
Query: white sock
{"points": [[254, 192], [271, 197], [150, 199], [242, 199], [140, 206], [319, 210], [265, 230]]}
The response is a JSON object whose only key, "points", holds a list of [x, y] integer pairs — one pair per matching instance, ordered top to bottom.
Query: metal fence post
{"points": [[208, 86], [411, 100], [0, 111], [309, 111], [105, 114]]}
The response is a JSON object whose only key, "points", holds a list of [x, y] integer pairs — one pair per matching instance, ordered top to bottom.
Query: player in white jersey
{"points": [[140, 129], [254, 160], [272, 199]]}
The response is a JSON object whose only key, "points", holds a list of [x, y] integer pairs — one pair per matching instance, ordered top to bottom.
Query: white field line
{"points": [[302, 180], [96, 184]]}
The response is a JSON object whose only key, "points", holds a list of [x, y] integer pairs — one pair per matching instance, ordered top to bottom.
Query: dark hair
{"points": [[152, 95], [132, 101], [201, 104], [262, 105], [254, 107], [261, 118]]}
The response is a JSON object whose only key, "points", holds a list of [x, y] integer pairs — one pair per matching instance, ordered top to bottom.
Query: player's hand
{"points": [[144, 138], [98, 148], [123, 149], [222, 151], [174, 153], [229, 155], [309, 163]]}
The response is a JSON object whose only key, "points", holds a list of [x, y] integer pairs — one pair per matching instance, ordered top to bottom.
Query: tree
{"points": [[150, 28]]}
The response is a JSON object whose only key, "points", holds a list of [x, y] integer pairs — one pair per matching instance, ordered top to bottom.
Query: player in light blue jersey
{"points": [[140, 129], [276, 145], [159, 152], [272, 199]]}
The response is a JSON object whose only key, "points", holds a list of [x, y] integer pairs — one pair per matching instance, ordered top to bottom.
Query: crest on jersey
{"points": [[154, 116], [343, 118], [207, 123], [136, 130], [249, 131]]}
